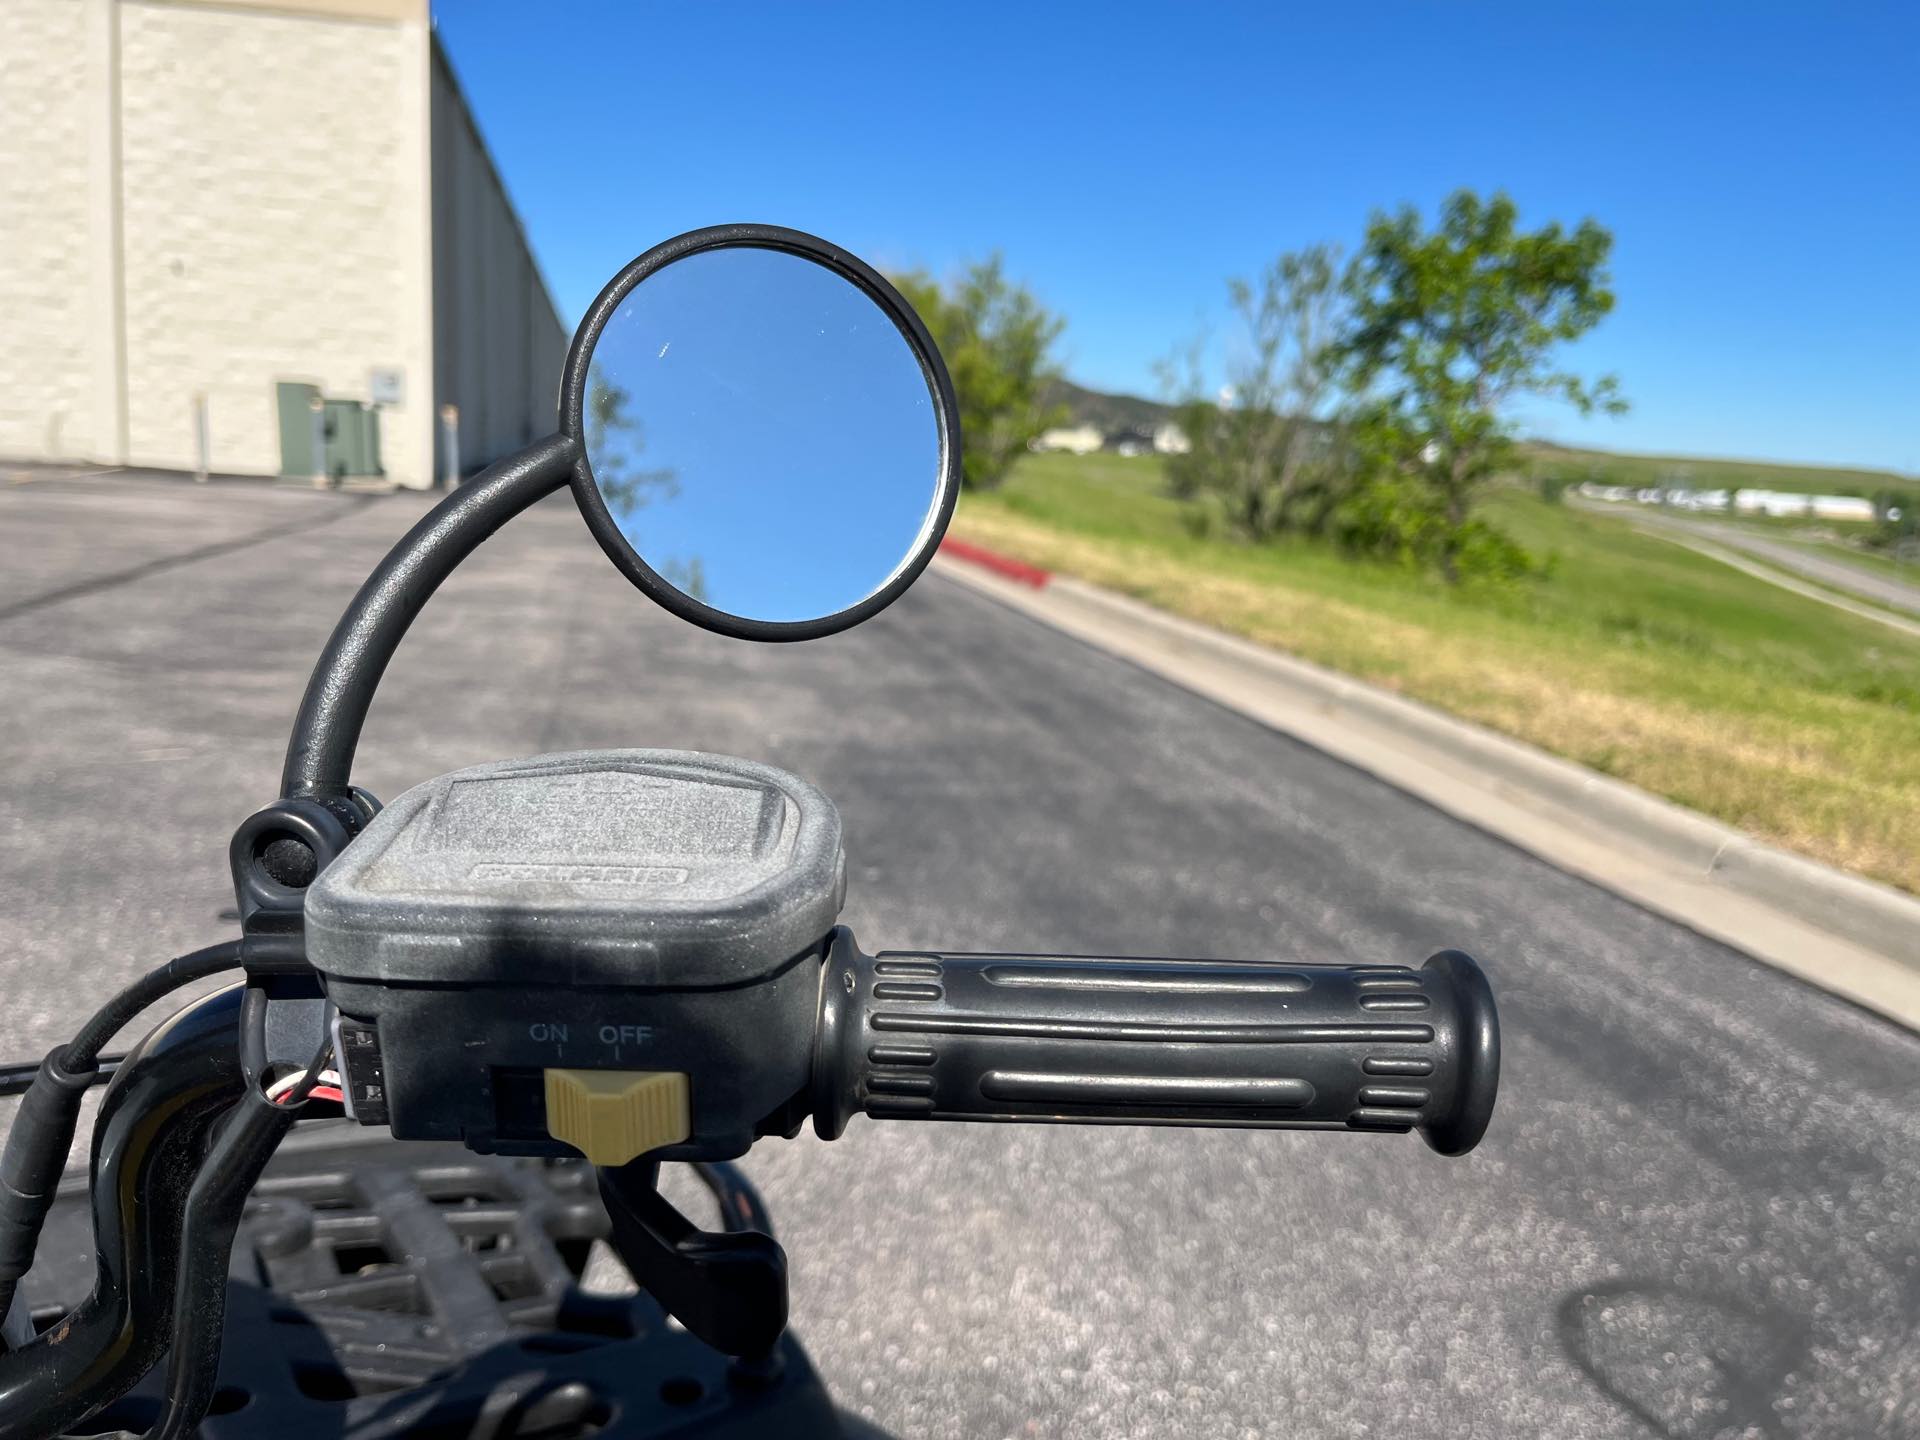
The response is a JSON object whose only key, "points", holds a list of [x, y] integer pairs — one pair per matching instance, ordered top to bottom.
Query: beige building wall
{"points": [[51, 121], [201, 198], [274, 214]]}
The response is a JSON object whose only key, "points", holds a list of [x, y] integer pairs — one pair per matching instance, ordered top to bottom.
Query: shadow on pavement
{"points": [[1685, 1365]]}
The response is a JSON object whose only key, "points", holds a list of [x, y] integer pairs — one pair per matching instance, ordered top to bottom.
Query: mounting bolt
{"points": [[289, 862]]}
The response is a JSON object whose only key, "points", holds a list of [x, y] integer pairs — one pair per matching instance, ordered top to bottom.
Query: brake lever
{"points": [[729, 1289]]}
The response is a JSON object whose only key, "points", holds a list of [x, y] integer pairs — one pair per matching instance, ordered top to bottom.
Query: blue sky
{"points": [[1758, 163]]}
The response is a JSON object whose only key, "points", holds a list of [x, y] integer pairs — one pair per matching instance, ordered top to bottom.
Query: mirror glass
{"points": [[762, 434]]}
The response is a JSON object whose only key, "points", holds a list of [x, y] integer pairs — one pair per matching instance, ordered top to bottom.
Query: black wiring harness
{"points": [[43, 1127]]}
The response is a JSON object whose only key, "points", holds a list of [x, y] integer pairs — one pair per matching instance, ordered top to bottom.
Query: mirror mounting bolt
{"points": [[275, 854]]}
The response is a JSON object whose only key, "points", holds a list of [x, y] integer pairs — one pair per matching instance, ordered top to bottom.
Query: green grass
{"points": [[1607, 468], [1639, 658]]}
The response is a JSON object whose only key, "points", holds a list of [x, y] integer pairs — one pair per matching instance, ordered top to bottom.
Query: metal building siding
{"points": [[498, 342]]}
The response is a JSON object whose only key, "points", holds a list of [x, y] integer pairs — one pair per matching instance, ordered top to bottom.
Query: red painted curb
{"points": [[993, 560]]}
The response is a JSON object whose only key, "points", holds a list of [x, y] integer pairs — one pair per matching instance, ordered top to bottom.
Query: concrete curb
{"points": [[1848, 935]]}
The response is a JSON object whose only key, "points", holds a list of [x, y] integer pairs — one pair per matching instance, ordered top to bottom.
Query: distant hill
{"points": [[1108, 413]]}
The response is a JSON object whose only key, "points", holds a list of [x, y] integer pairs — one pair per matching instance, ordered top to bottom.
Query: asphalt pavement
{"points": [[1695, 1215]]}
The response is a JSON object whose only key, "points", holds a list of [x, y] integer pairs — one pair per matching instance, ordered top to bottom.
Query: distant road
{"points": [[1853, 579]]}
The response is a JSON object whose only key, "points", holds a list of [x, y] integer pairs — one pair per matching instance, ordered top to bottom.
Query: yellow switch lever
{"points": [[610, 1116]]}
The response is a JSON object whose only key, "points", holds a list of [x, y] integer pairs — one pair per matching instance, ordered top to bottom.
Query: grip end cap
{"points": [[1460, 1129]]}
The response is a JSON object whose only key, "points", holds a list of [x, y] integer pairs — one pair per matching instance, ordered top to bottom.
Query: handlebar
{"points": [[920, 1035], [1094, 1040]]}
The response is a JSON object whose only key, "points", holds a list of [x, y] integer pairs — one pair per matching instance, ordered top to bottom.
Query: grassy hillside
{"points": [[1639, 658]]}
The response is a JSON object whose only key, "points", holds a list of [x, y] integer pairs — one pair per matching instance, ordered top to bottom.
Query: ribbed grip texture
{"points": [[925, 1036]]}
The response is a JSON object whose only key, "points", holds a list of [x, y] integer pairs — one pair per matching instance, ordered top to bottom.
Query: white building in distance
{"points": [[218, 218], [1075, 439], [1818, 507]]}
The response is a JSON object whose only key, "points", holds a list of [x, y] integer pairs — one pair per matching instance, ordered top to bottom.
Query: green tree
{"points": [[1453, 324], [997, 340], [615, 443], [1269, 448], [1896, 521]]}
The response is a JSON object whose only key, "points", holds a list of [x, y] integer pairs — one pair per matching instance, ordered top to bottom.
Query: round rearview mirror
{"points": [[768, 438]]}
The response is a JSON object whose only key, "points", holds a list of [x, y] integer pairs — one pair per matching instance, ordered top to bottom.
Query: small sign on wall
{"points": [[387, 385]]}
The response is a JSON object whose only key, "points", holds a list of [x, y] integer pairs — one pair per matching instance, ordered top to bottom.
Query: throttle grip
{"points": [[1092, 1040]]}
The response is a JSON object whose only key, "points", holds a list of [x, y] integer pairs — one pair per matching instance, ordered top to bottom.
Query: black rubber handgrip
{"points": [[1080, 1039]]}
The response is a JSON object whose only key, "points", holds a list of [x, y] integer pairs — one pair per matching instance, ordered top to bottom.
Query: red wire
{"points": [[318, 1092]]}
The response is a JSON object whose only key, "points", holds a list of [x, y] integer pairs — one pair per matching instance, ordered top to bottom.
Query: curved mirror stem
{"points": [[320, 753]]}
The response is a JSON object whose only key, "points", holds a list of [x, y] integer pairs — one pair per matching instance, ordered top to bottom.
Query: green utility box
{"points": [[294, 403], [350, 433], [353, 439]]}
